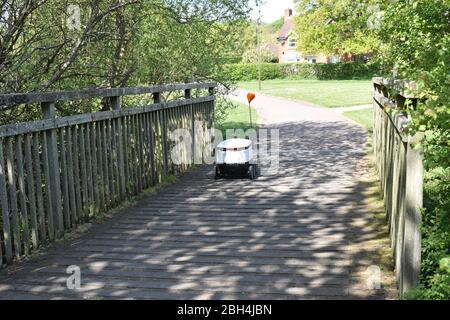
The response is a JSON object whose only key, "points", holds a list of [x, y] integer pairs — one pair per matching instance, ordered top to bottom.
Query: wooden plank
{"points": [[7, 100], [48, 110], [192, 119], [178, 125], [186, 125], [173, 126], [144, 147], [152, 148], [158, 150], [165, 151], [126, 152], [121, 153], [140, 153], [115, 154], [134, 156], [100, 160], [130, 162], [106, 163], [112, 164], [148, 165], [89, 171], [77, 174], [84, 174], [64, 179], [71, 179], [95, 181], [393, 185], [39, 187], [48, 191], [31, 192], [22, 196], [13, 198], [414, 203], [401, 212], [6, 229]]}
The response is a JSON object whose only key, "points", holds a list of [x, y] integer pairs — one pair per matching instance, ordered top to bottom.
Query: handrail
{"points": [[14, 99], [400, 166]]}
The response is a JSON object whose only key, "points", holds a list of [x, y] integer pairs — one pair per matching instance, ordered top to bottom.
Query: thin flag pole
{"points": [[258, 40], [250, 112]]}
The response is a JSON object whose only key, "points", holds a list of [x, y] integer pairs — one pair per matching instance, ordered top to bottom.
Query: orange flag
{"points": [[250, 97]]}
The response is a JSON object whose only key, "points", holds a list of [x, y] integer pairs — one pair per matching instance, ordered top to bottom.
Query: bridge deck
{"points": [[302, 233]]}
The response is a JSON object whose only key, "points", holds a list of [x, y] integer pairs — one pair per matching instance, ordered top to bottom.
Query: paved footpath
{"points": [[301, 233]]}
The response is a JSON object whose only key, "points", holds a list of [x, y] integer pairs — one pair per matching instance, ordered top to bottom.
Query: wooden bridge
{"points": [[304, 231]]}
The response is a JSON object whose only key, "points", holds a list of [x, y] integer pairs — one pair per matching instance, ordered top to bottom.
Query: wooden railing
{"points": [[400, 166], [60, 172]]}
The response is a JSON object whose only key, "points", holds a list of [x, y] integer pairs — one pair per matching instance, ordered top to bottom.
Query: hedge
{"points": [[310, 71]]}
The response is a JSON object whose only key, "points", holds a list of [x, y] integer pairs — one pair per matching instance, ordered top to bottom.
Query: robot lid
{"points": [[235, 143]]}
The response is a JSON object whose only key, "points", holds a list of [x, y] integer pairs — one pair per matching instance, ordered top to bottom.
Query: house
{"points": [[287, 45]]}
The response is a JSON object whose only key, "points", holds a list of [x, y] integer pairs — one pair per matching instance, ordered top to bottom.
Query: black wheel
{"points": [[251, 172], [217, 174]]}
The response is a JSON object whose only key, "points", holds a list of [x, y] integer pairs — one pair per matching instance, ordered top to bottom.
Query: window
{"points": [[292, 42]]}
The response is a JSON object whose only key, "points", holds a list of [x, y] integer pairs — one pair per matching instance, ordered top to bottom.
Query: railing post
{"points": [[211, 91], [187, 94], [156, 97], [116, 105], [191, 110], [162, 119], [54, 185], [414, 201], [5, 208]]}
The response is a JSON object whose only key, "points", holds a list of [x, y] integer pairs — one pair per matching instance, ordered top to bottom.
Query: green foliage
{"points": [[277, 24], [338, 26], [415, 37], [125, 43], [246, 45], [266, 54], [249, 71], [317, 71], [435, 272]]}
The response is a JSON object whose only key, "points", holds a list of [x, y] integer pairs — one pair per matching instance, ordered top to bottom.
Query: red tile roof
{"points": [[287, 28]]}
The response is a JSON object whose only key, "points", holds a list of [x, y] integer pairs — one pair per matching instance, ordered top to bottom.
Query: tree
{"points": [[337, 26], [62, 45], [246, 47]]}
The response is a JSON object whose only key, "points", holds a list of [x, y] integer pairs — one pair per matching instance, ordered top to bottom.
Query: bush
{"points": [[267, 55], [249, 71], [308, 71], [435, 270]]}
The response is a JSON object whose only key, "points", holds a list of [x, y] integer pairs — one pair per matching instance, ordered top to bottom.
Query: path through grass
{"points": [[325, 93]]}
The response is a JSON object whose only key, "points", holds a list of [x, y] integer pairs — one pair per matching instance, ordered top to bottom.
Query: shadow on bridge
{"points": [[303, 233]]}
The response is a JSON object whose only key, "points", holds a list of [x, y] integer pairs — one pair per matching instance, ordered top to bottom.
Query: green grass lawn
{"points": [[325, 93], [364, 117], [238, 118]]}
